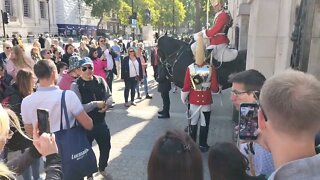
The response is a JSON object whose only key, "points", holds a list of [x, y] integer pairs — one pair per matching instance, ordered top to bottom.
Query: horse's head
{"points": [[168, 47]]}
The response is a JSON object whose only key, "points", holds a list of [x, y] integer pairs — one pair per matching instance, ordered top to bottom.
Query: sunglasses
{"points": [[8, 47], [131, 51], [86, 68]]}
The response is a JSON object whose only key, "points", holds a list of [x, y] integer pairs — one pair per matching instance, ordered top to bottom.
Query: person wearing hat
{"points": [[72, 73], [200, 80], [92, 89]]}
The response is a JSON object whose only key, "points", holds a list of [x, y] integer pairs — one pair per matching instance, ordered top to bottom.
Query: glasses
{"points": [[8, 47], [131, 51], [86, 68], [238, 93], [259, 104]]}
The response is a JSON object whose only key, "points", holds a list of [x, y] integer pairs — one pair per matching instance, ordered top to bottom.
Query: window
{"points": [[8, 6], [26, 8], [43, 12]]}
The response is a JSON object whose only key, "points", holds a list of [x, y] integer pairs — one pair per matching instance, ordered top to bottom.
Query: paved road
{"points": [[134, 130]]}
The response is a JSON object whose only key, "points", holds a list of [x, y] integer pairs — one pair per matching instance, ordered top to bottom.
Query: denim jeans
{"points": [[145, 84]]}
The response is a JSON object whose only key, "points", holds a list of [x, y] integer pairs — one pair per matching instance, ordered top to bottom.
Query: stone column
{"points": [[18, 6], [270, 27], [314, 56]]}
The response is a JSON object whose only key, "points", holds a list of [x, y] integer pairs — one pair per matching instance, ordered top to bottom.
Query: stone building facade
{"points": [[29, 17], [264, 28]]}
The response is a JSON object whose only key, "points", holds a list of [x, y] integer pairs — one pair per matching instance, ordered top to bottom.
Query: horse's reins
{"points": [[176, 54]]}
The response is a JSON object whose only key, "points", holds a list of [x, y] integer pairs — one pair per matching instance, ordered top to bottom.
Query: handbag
{"points": [[77, 157]]}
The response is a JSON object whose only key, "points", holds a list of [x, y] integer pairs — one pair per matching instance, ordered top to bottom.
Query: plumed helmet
{"points": [[200, 51], [74, 62]]}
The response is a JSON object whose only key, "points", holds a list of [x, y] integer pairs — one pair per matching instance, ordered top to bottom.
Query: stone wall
{"points": [[26, 25], [265, 29]]}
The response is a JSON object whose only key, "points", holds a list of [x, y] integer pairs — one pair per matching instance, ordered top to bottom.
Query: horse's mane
{"points": [[169, 44]]}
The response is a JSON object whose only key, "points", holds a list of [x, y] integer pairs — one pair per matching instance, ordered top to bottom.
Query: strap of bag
{"points": [[134, 66], [64, 111]]}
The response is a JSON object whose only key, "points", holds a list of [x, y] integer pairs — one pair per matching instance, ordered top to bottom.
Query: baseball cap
{"points": [[85, 61], [74, 62]]}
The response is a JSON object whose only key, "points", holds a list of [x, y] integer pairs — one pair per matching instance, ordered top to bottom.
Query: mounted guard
{"points": [[216, 39], [200, 81]]}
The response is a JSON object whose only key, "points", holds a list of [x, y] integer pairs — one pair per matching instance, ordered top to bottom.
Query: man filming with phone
{"points": [[245, 88], [48, 96]]}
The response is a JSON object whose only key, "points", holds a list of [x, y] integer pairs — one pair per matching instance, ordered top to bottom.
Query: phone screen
{"points": [[43, 121], [248, 121]]}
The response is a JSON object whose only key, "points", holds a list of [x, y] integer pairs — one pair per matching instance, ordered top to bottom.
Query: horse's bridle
{"points": [[176, 54]]}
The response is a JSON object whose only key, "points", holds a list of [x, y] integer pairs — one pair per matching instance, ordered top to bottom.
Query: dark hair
{"points": [[66, 47], [92, 50], [61, 65], [44, 68], [252, 79], [175, 156], [226, 162]]}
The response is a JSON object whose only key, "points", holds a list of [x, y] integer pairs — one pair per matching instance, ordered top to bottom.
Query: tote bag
{"points": [[77, 156]]}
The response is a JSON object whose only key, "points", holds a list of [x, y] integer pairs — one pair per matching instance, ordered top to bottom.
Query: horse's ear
{"points": [[166, 33]]}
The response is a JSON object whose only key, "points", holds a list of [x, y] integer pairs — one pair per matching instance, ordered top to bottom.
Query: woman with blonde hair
{"points": [[18, 61], [43, 145]]}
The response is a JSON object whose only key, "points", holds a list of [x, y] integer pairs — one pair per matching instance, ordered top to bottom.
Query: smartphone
{"points": [[43, 121], [248, 121]]}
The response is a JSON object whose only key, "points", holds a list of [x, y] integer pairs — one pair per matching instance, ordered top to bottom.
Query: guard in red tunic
{"points": [[217, 34], [200, 81]]}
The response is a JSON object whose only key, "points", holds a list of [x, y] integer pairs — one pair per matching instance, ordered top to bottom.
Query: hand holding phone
{"points": [[43, 121], [248, 121]]}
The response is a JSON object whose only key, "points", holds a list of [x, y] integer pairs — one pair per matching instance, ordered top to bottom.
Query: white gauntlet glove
{"points": [[184, 96]]}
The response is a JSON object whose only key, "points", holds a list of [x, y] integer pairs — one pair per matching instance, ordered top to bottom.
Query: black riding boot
{"points": [[193, 133], [204, 147]]}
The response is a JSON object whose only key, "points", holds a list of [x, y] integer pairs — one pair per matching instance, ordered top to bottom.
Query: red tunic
{"points": [[220, 22], [200, 97]]}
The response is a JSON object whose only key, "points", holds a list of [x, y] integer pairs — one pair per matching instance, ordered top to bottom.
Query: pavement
{"points": [[134, 130]]}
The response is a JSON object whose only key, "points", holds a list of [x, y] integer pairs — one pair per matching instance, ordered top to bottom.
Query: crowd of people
{"points": [[87, 71], [59, 77]]}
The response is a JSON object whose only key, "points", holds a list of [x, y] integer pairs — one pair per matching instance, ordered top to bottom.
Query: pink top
{"points": [[99, 67], [13, 69], [66, 81]]}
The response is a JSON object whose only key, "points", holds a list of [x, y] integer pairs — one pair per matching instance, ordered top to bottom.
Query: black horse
{"points": [[176, 56]]}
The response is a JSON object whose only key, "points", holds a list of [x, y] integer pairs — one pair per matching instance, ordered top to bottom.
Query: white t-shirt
{"points": [[109, 59], [133, 68], [50, 98]]}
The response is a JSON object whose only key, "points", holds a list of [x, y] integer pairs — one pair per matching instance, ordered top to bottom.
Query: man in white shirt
{"points": [[48, 96], [289, 119]]}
